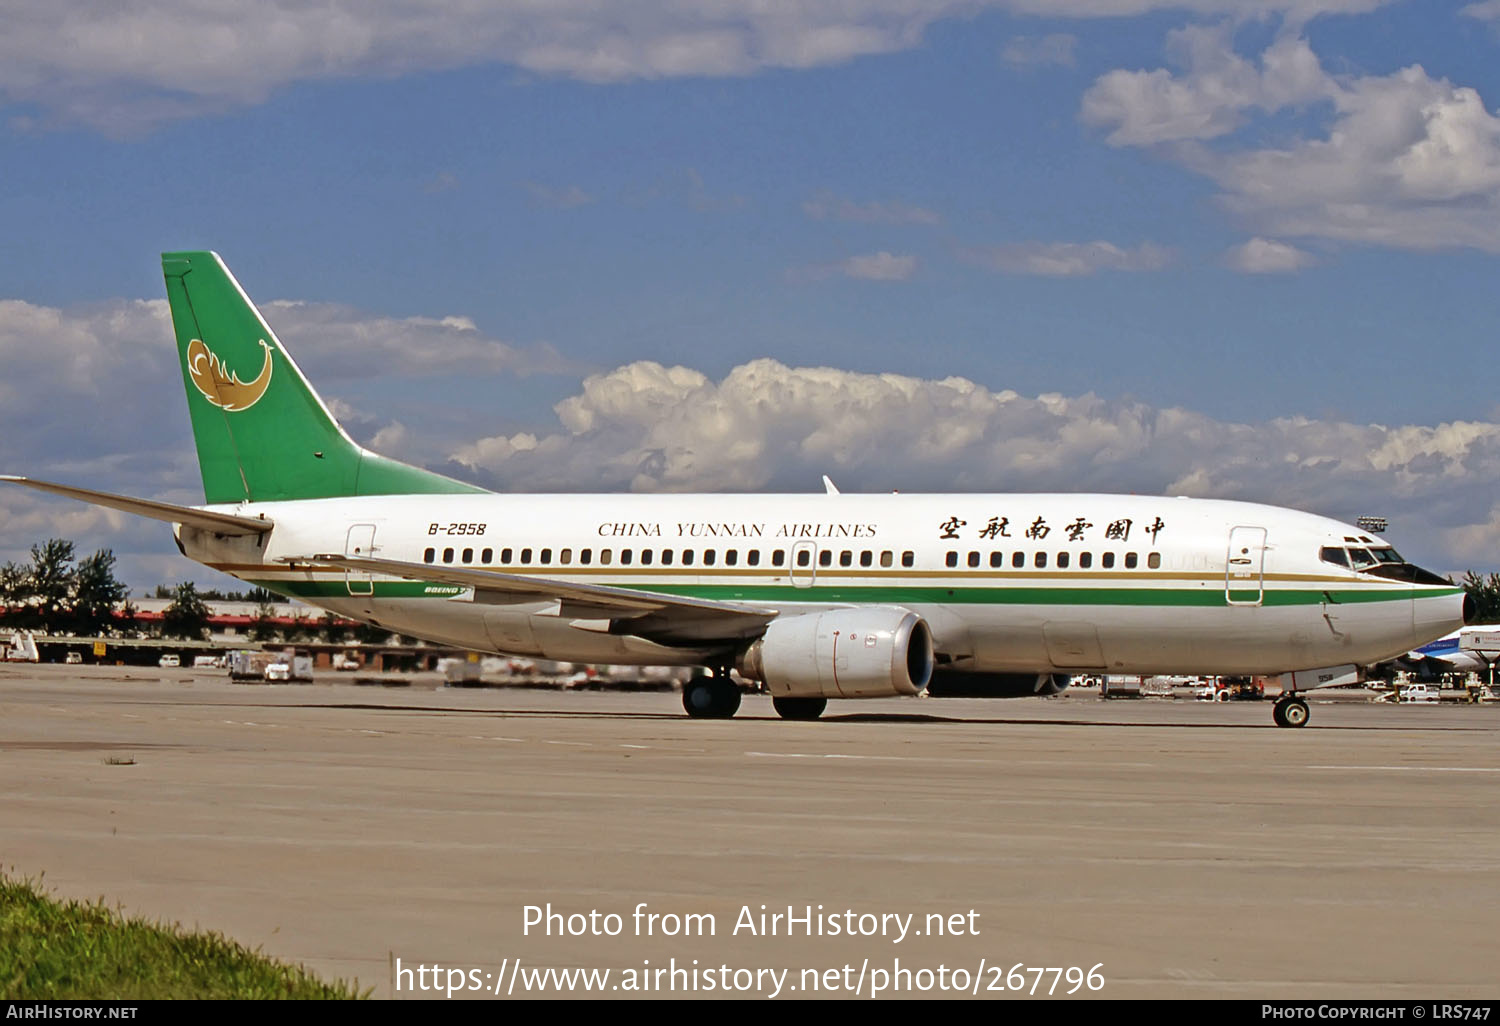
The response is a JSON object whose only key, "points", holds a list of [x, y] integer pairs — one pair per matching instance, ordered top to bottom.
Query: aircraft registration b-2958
{"points": [[818, 596]]}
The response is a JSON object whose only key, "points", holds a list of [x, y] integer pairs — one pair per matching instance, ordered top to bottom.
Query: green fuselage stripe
{"points": [[904, 595]]}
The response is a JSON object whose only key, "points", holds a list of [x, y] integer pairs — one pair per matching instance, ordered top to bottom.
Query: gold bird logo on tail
{"points": [[221, 387]]}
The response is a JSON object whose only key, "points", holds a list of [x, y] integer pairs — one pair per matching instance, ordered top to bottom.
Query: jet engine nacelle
{"points": [[842, 653], [957, 684]]}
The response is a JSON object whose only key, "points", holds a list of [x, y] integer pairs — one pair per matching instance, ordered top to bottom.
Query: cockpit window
{"points": [[1378, 562]]}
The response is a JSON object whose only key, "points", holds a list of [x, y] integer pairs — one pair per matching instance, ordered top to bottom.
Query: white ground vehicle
{"points": [[169, 660], [1418, 693]]}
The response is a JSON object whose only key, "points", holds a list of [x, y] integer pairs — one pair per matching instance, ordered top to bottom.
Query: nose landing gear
{"points": [[1290, 711]]}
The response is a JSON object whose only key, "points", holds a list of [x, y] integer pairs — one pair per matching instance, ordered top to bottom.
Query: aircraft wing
{"points": [[218, 523], [659, 617]]}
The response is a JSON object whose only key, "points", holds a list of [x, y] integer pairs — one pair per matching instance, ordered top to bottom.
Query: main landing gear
{"points": [[711, 698], [1289, 711]]}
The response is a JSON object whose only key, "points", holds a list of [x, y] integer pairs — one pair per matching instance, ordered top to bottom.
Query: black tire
{"points": [[698, 698], [706, 698], [726, 698], [799, 708], [1290, 712]]}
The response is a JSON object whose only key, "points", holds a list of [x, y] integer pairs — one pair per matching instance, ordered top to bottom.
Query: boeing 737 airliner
{"points": [[819, 596]]}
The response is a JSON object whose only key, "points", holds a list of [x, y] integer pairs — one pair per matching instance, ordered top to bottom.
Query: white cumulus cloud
{"points": [[121, 67], [1404, 160], [1267, 256], [1071, 259]]}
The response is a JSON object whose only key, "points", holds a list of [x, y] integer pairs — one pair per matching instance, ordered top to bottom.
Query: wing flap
{"points": [[208, 520]]}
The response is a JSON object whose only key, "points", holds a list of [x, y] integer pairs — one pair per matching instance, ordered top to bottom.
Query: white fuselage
{"points": [[1025, 583]]}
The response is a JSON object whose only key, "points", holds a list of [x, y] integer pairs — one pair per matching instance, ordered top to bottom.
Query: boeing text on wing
{"points": [[819, 596]]}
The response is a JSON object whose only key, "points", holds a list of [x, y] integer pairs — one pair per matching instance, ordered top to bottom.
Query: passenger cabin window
{"points": [[429, 555], [447, 555], [468, 555], [505, 555], [526, 555], [605, 555], [626, 555], [487, 556], [546, 556], [566, 556], [586, 556], [645, 557], [666, 557], [687, 557], [732, 557], [753, 557], [804, 557], [778, 558], [825, 558], [846, 558], [867, 558], [887, 558], [908, 559], [951, 559], [973, 559], [997, 559], [1063, 559], [1018, 560], [1041, 560], [1085, 560], [1107, 560], [1131, 560], [1153, 561]]}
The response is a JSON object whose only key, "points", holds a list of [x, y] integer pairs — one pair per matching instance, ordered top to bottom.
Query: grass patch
{"points": [[84, 951]]}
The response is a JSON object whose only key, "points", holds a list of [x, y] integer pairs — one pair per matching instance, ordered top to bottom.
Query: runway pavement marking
{"points": [[827, 755], [1416, 769]]}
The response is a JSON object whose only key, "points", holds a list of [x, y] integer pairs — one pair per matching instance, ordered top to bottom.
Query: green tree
{"points": [[50, 583], [1485, 591], [14, 592], [94, 595], [187, 616], [129, 619], [261, 628], [333, 628], [369, 634]]}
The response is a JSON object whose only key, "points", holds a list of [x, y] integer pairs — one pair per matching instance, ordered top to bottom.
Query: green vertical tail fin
{"points": [[262, 432]]}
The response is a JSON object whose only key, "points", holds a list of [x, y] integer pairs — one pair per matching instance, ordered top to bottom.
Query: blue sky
{"points": [[1237, 249]]}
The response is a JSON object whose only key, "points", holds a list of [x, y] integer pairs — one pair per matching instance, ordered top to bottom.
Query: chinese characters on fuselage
{"points": [[1077, 530]]}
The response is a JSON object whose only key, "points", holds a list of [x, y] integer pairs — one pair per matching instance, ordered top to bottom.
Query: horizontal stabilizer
{"points": [[218, 523]]}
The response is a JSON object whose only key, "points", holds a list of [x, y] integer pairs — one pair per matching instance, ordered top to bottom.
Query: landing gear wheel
{"points": [[727, 695], [710, 698], [799, 708], [1290, 712]]}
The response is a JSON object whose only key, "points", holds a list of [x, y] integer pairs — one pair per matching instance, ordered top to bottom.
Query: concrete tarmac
{"points": [[1174, 848]]}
